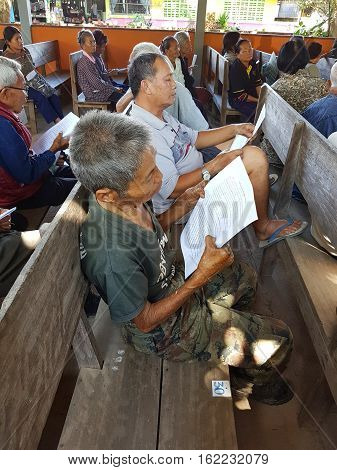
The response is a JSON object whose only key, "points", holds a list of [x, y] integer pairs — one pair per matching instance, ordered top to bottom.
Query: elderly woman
{"points": [[229, 41], [101, 43], [170, 48], [244, 80], [94, 86], [43, 95], [200, 95], [183, 108], [25, 180], [137, 275]]}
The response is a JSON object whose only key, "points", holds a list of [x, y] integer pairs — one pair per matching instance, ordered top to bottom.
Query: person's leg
{"points": [[55, 102], [43, 105], [245, 107], [257, 167], [53, 192], [15, 249], [257, 347]]}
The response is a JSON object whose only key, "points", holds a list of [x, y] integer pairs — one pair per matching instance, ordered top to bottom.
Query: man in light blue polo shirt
{"points": [[178, 148]]}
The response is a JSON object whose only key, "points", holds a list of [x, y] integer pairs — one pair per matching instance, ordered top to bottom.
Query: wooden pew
{"points": [[44, 53], [216, 81], [78, 97], [310, 161], [41, 317], [138, 401]]}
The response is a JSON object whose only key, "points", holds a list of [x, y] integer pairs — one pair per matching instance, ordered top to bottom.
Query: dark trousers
{"points": [[50, 108], [246, 108], [53, 192]]}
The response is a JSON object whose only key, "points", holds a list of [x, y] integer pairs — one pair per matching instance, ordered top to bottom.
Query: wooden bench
{"points": [[44, 53], [216, 81], [78, 97], [310, 161], [41, 317], [139, 401], [135, 402]]}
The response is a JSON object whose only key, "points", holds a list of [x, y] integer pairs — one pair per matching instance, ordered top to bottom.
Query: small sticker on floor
{"points": [[221, 388]]}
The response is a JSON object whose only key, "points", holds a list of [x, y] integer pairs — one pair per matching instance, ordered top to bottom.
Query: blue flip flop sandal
{"points": [[275, 238]]}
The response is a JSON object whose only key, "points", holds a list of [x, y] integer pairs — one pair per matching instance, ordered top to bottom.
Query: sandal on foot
{"points": [[275, 237]]}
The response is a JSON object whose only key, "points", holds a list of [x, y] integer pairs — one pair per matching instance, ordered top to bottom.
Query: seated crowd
{"points": [[146, 166]]}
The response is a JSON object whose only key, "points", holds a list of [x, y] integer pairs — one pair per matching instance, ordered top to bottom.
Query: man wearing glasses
{"points": [[25, 179]]}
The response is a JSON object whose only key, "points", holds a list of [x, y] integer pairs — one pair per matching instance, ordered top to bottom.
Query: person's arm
{"points": [[124, 101], [217, 136], [17, 160], [194, 177], [182, 206], [213, 260]]}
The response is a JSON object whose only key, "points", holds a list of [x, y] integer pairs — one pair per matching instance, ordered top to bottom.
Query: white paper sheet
{"points": [[66, 125], [240, 140], [228, 207], [7, 213]]}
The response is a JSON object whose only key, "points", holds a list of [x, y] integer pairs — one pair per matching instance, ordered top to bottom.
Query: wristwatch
{"points": [[206, 176]]}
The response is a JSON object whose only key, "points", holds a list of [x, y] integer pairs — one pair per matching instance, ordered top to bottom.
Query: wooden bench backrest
{"points": [[45, 52], [212, 67], [75, 88], [317, 167], [38, 319]]}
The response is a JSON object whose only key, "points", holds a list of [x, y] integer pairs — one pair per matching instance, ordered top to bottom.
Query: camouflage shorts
{"points": [[208, 328]]}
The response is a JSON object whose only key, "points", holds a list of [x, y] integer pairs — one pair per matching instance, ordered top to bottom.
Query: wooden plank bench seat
{"points": [[44, 53], [216, 81], [310, 161], [41, 317], [139, 401]]}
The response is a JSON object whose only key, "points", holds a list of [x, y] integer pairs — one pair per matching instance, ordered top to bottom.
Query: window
{"points": [[180, 9], [244, 10]]}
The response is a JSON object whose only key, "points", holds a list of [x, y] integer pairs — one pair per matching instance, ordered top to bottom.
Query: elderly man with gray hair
{"points": [[179, 149], [25, 179], [126, 253]]}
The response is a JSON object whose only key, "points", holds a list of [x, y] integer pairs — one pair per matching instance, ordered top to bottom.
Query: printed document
{"points": [[66, 126], [240, 140], [228, 207]]}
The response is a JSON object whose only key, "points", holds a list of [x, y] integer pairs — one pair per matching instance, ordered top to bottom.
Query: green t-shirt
{"points": [[128, 264]]}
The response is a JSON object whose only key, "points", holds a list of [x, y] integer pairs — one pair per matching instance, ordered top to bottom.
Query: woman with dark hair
{"points": [[101, 43], [228, 45], [315, 53], [244, 80], [296, 85], [94, 86], [43, 95]]}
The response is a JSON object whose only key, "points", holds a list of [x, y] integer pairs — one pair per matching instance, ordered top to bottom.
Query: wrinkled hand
{"points": [[245, 129], [60, 143], [191, 196], [5, 224], [212, 261]]}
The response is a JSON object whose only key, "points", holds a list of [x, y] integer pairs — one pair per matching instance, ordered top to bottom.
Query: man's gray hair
{"points": [[182, 37], [9, 72], [333, 75], [106, 150]]}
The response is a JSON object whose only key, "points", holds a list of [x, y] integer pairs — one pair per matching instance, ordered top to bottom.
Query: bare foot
{"points": [[273, 225]]}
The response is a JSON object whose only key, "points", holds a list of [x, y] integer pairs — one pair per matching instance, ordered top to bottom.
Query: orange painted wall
{"points": [[121, 41]]}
